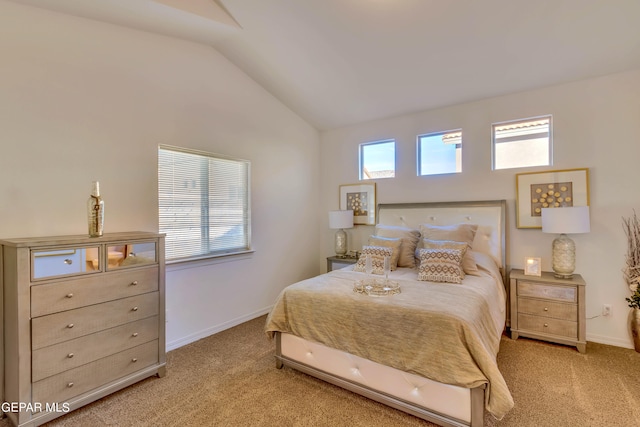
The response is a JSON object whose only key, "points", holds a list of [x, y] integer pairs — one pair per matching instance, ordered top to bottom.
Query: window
{"points": [[522, 143], [440, 153], [378, 159], [204, 204]]}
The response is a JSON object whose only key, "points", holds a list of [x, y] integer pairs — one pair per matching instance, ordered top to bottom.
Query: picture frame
{"points": [[562, 188], [361, 198], [532, 266]]}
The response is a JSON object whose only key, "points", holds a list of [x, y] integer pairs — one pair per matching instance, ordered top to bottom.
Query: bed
{"points": [[429, 350]]}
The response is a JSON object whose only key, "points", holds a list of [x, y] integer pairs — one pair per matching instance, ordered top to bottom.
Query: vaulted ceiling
{"points": [[341, 62]]}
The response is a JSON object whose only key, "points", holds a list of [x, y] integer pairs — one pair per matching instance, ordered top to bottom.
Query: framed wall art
{"points": [[537, 190], [361, 198]]}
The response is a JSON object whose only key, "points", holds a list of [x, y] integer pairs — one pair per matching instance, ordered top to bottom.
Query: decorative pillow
{"points": [[456, 232], [409, 237], [388, 242], [377, 254], [468, 261], [441, 265]]}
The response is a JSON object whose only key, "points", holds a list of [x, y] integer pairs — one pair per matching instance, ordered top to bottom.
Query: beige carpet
{"points": [[230, 379]]}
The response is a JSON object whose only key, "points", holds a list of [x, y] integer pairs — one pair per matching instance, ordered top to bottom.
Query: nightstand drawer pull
{"points": [[68, 261], [134, 283], [70, 295], [135, 308], [546, 309], [70, 325], [546, 325], [135, 334], [70, 355], [134, 360], [70, 385]]}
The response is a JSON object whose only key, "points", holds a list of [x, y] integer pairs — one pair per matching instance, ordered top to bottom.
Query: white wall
{"points": [[82, 100], [596, 125]]}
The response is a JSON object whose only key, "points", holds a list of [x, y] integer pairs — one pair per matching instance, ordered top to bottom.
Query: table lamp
{"points": [[340, 220], [563, 221]]}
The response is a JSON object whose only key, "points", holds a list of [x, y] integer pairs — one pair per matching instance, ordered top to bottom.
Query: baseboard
{"points": [[215, 329], [617, 342]]}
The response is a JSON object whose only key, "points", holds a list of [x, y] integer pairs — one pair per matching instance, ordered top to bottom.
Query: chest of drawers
{"points": [[548, 308], [82, 317]]}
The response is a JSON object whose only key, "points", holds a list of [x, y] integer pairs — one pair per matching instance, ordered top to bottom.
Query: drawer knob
{"points": [[68, 261], [134, 283], [70, 295], [135, 308], [546, 309], [70, 325], [546, 325], [135, 334], [70, 355], [134, 360], [70, 385]]}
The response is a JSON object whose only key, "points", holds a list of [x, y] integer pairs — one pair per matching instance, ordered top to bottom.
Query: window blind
{"points": [[204, 203]]}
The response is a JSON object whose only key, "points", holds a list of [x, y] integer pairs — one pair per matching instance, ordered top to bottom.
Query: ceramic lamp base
{"points": [[341, 243], [564, 257]]}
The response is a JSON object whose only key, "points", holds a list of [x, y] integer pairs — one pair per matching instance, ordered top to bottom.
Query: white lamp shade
{"points": [[340, 219], [567, 220]]}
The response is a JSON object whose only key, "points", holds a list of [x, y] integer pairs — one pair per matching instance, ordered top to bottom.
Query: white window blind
{"points": [[204, 204]]}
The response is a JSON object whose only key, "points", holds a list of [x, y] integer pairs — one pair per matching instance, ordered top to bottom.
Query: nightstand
{"points": [[335, 262], [547, 308]]}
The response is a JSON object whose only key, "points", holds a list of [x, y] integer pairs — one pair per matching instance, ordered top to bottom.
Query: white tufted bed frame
{"points": [[443, 404]]}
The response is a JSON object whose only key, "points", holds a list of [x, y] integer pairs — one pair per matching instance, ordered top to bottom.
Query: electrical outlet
{"points": [[606, 309]]}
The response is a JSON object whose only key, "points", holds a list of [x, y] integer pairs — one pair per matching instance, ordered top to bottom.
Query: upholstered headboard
{"points": [[490, 215]]}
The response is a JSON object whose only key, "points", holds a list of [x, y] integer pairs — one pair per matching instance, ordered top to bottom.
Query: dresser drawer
{"points": [[68, 261], [539, 290], [60, 296], [556, 310], [545, 325], [59, 327], [70, 354], [68, 384]]}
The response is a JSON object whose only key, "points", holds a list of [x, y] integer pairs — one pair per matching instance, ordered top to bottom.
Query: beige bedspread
{"points": [[446, 332]]}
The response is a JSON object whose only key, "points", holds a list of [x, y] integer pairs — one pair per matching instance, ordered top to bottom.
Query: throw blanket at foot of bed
{"points": [[449, 333]]}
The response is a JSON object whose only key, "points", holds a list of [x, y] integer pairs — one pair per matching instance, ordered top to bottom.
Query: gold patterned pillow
{"points": [[388, 242], [377, 254], [468, 261], [441, 265]]}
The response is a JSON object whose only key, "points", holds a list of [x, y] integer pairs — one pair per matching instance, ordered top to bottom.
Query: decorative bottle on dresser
{"points": [[95, 211]]}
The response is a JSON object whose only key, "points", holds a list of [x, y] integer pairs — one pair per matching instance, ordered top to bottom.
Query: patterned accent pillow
{"points": [[463, 232], [410, 238], [388, 242], [377, 254], [468, 261], [441, 265]]}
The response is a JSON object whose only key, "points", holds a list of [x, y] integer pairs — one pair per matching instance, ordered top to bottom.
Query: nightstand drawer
{"points": [[539, 290], [556, 310], [545, 325]]}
